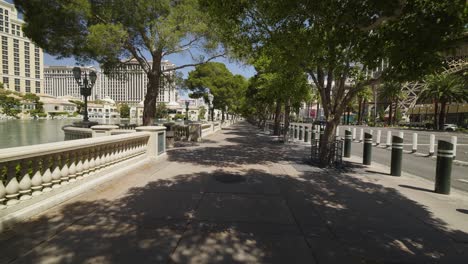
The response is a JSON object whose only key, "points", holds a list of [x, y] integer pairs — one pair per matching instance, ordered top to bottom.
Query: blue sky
{"points": [[178, 59]]}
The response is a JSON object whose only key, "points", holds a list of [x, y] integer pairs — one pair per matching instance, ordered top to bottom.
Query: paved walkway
{"points": [[239, 197]]}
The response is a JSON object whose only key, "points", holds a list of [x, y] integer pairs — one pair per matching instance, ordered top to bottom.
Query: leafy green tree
{"points": [[108, 31], [340, 42], [215, 78], [442, 89], [392, 93], [79, 105], [10, 106], [39, 106], [124, 111], [161, 111], [201, 113]]}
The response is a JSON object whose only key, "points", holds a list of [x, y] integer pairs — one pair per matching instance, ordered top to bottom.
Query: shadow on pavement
{"points": [[416, 188], [321, 216]]}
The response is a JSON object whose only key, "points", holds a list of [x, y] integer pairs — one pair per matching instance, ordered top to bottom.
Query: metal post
{"points": [[295, 131], [300, 132], [322, 132], [306, 134], [379, 134], [389, 139], [454, 142], [415, 143], [431, 144], [347, 146], [367, 151], [397, 156], [443, 167]]}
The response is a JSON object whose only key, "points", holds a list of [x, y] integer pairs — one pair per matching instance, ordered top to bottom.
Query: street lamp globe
{"points": [[77, 73], [93, 77], [210, 98]]}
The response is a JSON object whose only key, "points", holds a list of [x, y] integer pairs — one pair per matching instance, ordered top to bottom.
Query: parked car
{"points": [[450, 127]]}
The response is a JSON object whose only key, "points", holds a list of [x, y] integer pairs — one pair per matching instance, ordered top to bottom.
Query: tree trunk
{"points": [[149, 110], [287, 110], [436, 110], [222, 111], [390, 111], [442, 114], [359, 118], [276, 128], [328, 137]]}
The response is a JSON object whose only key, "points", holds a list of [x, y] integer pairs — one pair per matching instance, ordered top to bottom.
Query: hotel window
{"points": [[6, 81], [17, 85], [28, 86], [38, 87]]}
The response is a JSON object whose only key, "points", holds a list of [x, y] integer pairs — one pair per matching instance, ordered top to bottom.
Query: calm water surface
{"points": [[15, 133]]}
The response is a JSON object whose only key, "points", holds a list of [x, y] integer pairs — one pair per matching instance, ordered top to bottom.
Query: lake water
{"points": [[15, 133]]}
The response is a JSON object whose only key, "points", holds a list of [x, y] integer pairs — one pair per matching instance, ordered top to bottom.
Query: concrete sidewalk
{"points": [[239, 197]]}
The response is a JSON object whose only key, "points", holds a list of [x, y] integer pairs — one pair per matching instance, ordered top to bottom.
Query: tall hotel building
{"points": [[21, 67], [59, 81], [126, 84], [129, 84]]}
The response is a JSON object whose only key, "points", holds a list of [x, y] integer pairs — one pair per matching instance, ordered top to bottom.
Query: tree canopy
{"points": [[112, 32]]}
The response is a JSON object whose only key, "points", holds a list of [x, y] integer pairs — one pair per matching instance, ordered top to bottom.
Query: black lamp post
{"points": [[85, 87], [210, 99], [187, 103]]}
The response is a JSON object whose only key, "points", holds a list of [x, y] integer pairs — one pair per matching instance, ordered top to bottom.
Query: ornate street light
{"points": [[85, 87], [210, 99], [187, 103]]}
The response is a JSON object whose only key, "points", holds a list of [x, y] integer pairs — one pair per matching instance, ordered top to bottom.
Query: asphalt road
{"points": [[423, 139], [420, 166]]}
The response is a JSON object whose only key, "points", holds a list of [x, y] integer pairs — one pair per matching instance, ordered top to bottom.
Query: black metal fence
{"points": [[335, 156]]}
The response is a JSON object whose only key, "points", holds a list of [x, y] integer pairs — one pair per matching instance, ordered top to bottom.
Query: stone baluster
{"points": [[119, 152], [113, 154], [86, 156], [106, 156], [92, 161], [98, 161], [79, 164], [72, 167], [64, 170], [56, 171], [47, 174], [25, 180], [36, 180], [12, 186], [2, 187]]}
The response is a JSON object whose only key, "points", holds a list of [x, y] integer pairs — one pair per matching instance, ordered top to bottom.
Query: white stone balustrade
{"points": [[29, 171]]}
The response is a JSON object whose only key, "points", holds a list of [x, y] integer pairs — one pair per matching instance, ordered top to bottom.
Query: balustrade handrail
{"points": [[24, 152]]}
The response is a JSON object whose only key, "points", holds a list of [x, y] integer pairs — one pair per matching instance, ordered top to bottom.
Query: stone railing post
{"points": [[103, 130], [157, 140]]}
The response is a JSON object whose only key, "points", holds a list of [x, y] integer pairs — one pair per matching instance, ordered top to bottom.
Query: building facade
{"points": [[21, 67], [59, 81], [127, 84]]}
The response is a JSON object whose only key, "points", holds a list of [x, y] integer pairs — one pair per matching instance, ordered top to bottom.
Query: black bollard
{"points": [[291, 131], [295, 131], [300, 132], [322, 132], [306, 134], [347, 144], [367, 153], [397, 156], [443, 167]]}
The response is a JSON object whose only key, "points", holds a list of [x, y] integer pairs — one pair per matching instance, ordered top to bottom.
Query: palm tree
{"points": [[444, 88], [392, 93], [363, 97]]}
